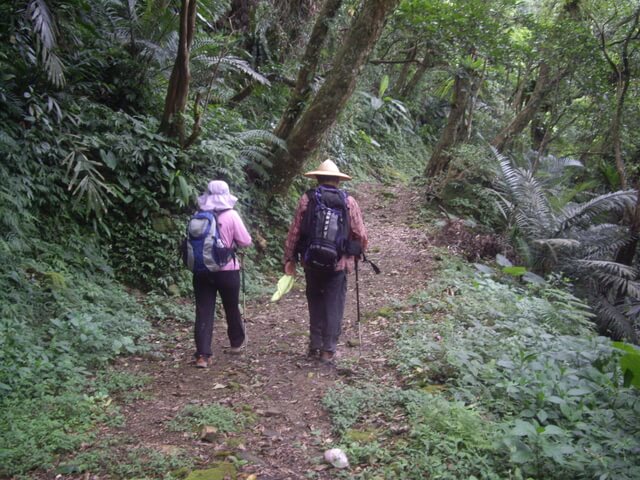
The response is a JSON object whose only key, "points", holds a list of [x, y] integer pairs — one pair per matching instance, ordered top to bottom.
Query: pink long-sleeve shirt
{"points": [[357, 232], [233, 233]]}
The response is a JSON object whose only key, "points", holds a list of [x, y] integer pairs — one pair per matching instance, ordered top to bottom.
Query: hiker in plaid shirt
{"points": [[326, 290]]}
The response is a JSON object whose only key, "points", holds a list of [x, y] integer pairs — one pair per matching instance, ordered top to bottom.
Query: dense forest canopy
{"points": [[521, 116]]}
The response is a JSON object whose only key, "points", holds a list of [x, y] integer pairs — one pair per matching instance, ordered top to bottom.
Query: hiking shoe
{"points": [[238, 350], [313, 353], [327, 357], [202, 362]]}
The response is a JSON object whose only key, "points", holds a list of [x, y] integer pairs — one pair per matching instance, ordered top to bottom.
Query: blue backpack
{"points": [[203, 249]]}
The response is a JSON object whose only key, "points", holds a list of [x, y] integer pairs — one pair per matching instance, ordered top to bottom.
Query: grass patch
{"points": [[193, 417]]}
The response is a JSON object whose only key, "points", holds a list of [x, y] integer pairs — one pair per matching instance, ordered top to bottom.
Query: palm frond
{"points": [[42, 22], [45, 31], [553, 165], [531, 208], [587, 212], [602, 241], [610, 268], [613, 279], [613, 322]]}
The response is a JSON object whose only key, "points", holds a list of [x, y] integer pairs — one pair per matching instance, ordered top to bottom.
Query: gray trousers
{"points": [[326, 293]]}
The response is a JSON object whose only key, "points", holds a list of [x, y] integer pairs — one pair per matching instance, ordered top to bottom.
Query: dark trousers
{"points": [[206, 285], [326, 293]]}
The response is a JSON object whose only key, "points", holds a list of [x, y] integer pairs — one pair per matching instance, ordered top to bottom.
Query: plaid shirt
{"points": [[357, 232]]}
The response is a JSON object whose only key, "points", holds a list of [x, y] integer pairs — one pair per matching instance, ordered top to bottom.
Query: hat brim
{"points": [[323, 173], [217, 202]]}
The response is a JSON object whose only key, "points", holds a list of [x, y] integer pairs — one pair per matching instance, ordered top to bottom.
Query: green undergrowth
{"points": [[62, 317], [501, 380], [222, 418], [123, 458]]}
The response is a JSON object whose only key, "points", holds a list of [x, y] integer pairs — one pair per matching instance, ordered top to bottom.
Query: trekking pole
{"points": [[244, 294], [244, 297], [358, 307]]}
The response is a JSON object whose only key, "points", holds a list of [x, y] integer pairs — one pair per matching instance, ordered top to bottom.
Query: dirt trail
{"points": [[273, 379]]}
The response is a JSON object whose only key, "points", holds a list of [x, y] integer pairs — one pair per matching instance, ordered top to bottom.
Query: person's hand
{"points": [[290, 268]]}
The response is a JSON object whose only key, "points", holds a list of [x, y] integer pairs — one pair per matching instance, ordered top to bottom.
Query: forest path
{"points": [[272, 381]]}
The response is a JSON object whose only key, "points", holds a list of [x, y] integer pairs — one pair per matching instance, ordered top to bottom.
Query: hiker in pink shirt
{"points": [[326, 280], [225, 281]]}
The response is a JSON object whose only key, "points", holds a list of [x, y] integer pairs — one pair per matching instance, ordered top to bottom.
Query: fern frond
{"points": [[243, 66], [262, 136], [257, 155]]}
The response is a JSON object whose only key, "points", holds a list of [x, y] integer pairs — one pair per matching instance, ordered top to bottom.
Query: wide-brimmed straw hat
{"points": [[327, 169], [217, 197]]}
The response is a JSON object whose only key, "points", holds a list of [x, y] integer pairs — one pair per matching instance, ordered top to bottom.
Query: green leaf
{"points": [[384, 84], [109, 159], [184, 188], [515, 271], [284, 285], [630, 365], [578, 392], [523, 429], [552, 430]]}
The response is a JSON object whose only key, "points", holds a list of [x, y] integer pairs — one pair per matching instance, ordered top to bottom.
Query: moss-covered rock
{"points": [[362, 436], [221, 471]]}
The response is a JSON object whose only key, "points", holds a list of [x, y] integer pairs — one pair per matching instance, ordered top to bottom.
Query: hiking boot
{"points": [[238, 350], [313, 353], [327, 357], [202, 362]]}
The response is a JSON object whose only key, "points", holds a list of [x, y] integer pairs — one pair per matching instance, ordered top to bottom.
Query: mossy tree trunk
{"points": [[403, 76], [304, 82], [412, 83], [544, 84], [338, 87], [172, 123], [440, 157]]}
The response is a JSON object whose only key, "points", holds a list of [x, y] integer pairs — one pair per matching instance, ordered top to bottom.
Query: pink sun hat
{"points": [[217, 197]]}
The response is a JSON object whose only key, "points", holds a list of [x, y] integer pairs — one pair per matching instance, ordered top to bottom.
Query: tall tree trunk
{"points": [[423, 66], [622, 71], [307, 72], [401, 82], [476, 84], [544, 84], [622, 85], [334, 93], [520, 93], [172, 123], [440, 158]]}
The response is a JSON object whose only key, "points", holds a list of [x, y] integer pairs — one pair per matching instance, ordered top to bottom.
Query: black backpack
{"points": [[325, 228]]}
